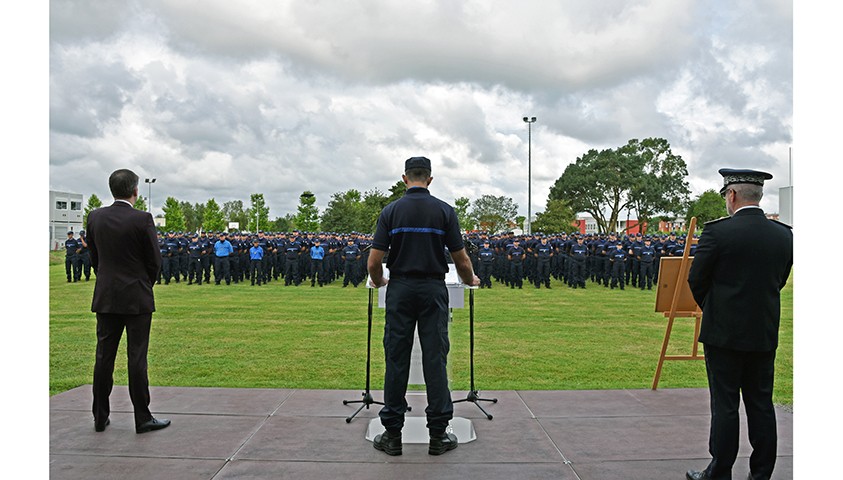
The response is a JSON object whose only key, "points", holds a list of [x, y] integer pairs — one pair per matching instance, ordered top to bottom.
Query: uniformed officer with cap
{"points": [[415, 230], [84, 257], [71, 258], [740, 266]]}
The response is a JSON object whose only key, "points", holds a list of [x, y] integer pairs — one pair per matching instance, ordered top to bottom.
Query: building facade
{"points": [[66, 211]]}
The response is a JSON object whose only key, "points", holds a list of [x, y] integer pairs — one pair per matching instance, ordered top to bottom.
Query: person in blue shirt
{"points": [[222, 250], [256, 255], [317, 257], [71, 258]]}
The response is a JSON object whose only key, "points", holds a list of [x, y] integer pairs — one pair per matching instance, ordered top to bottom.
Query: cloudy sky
{"points": [[223, 99]]}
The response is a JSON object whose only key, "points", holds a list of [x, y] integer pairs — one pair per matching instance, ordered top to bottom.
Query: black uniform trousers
{"points": [[73, 267], [194, 268], [222, 270], [484, 271], [410, 302], [109, 330], [731, 375]]}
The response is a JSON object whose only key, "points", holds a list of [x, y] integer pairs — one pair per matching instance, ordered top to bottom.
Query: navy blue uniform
{"points": [[415, 230], [543, 253], [515, 255], [351, 257], [71, 259], [617, 259], [646, 259], [194, 261], [485, 265], [577, 271]]}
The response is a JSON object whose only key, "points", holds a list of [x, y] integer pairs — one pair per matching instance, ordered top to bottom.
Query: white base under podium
{"points": [[415, 430]]}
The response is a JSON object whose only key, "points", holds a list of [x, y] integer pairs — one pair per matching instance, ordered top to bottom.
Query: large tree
{"points": [[645, 176], [373, 202], [94, 203], [140, 203], [461, 206], [708, 206], [233, 212], [345, 212], [494, 213], [258, 214], [173, 215], [192, 216], [307, 216], [557, 217], [213, 219]]}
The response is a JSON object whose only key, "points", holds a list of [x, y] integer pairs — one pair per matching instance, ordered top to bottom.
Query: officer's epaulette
{"points": [[717, 220], [781, 223]]}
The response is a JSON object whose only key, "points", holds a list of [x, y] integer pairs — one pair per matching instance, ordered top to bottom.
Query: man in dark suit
{"points": [[124, 254], [740, 266]]}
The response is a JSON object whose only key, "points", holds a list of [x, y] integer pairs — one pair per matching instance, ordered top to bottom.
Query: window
{"points": [[61, 205], [76, 205]]}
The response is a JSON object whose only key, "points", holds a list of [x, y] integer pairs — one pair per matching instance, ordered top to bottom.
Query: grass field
{"points": [[300, 337]]}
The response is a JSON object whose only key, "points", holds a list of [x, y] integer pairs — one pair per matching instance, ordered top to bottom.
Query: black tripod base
{"points": [[473, 397], [366, 401]]}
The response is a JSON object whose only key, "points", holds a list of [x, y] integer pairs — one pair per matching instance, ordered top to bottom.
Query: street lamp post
{"points": [[529, 121], [149, 193]]}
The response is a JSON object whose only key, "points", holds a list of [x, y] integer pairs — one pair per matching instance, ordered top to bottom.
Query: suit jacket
{"points": [[124, 254], [740, 266]]}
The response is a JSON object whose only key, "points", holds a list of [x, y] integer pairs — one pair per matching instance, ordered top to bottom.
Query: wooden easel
{"points": [[673, 286]]}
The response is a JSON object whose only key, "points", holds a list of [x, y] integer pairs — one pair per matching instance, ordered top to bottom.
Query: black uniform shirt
{"points": [[415, 229]]}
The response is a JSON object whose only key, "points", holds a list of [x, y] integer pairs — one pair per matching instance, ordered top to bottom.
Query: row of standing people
{"points": [[263, 258], [608, 260]]}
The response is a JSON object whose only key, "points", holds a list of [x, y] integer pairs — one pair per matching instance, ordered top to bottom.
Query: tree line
{"points": [[642, 176]]}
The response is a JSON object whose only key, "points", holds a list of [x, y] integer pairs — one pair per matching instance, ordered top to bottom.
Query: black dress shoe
{"points": [[152, 424], [100, 427], [388, 443], [442, 443], [695, 475]]}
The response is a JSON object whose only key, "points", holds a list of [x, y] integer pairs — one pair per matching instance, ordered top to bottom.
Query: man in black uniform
{"points": [[415, 230], [350, 256], [84, 257], [71, 258], [194, 260], [486, 263], [740, 266]]}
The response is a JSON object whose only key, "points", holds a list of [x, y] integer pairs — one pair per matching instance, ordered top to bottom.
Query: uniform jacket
{"points": [[125, 257], [740, 266]]}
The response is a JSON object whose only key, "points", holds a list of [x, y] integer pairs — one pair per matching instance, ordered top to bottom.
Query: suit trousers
{"points": [[411, 302], [109, 331], [731, 375]]}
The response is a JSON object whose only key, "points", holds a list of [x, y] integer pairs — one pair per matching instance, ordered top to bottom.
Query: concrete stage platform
{"points": [[222, 433]]}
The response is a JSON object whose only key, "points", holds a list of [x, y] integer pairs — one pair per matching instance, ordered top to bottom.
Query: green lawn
{"points": [[286, 337]]}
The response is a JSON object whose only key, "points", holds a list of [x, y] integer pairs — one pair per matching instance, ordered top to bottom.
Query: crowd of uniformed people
{"points": [[611, 260]]}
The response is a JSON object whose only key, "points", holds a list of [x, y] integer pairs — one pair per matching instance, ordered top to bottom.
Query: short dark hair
{"points": [[417, 174], [123, 183]]}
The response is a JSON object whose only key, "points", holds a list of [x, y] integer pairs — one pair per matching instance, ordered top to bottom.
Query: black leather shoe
{"points": [[152, 424], [100, 427], [388, 443], [442, 443], [695, 475]]}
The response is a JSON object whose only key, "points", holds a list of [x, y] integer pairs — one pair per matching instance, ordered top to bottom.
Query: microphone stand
{"points": [[473, 395], [367, 396]]}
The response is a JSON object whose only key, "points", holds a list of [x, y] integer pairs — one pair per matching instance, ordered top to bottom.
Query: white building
{"points": [[66, 212]]}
